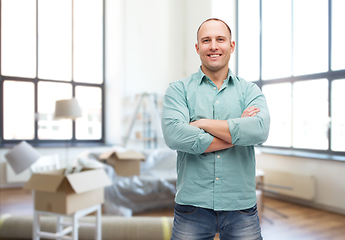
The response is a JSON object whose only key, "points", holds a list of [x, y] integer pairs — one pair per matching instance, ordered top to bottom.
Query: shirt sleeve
{"points": [[251, 130], [177, 132]]}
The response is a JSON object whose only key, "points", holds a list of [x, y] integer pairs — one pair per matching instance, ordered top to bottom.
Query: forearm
{"points": [[217, 128], [218, 144]]}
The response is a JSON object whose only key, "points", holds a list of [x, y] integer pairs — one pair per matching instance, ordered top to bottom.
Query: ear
{"points": [[232, 46], [197, 48]]}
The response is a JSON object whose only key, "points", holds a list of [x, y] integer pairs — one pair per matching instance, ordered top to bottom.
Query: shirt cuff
{"points": [[234, 130], [202, 142]]}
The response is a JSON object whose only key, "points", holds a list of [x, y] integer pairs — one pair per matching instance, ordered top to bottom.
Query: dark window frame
{"points": [[330, 75], [52, 142]]}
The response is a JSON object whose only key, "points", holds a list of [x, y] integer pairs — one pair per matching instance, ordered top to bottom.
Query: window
{"points": [[310, 36], [249, 38], [338, 38], [276, 41], [51, 50], [296, 55], [310, 114], [338, 119], [281, 125]]}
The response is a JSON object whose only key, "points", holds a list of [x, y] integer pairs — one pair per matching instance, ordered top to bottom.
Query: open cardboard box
{"points": [[124, 163], [66, 194]]}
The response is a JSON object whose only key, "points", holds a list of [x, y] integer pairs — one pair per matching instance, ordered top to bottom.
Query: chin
{"points": [[215, 68]]}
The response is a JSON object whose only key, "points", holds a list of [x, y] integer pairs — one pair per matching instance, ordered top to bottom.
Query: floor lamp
{"points": [[67, 109]]}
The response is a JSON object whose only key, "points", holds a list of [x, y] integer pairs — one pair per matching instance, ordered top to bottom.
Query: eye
{"points": [[221, 39], [205, 41]]}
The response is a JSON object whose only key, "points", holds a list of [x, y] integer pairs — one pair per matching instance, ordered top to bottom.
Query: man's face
{"points": [[214, 46]]}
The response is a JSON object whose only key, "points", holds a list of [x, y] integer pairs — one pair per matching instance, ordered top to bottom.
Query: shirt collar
{"points": [[201, 76]]}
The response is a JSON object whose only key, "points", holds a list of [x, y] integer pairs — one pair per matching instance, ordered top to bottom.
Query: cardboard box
{"points": [[125, 163], [66, 194]]}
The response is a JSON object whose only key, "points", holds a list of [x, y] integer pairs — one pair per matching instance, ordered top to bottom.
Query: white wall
{"points": [[154, 45], [153, 51], [114, 75], [329, 175]]}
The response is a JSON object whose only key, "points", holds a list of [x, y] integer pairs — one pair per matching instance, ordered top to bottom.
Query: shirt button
{"points": [[214, 88], [216, 101], [218, 156], [217, 178]]}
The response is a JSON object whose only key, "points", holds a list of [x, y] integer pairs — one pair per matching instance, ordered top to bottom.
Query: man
{"points": [[213, 119]]}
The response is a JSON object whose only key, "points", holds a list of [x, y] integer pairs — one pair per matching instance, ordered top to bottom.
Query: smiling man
{"points": [[213, 119]]}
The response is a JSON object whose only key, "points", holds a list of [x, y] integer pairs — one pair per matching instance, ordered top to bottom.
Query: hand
{"points": [[250, 112], [196, 123]]}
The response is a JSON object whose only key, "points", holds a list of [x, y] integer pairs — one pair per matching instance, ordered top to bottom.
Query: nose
{"points": [[214, 45]]}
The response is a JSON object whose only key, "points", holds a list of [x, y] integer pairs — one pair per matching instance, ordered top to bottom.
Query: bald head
{"points": [[212, 19]]}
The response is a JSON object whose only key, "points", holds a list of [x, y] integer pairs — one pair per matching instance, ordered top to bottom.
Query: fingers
{"points": [[252, 108], [250, 111], [253, 111]]}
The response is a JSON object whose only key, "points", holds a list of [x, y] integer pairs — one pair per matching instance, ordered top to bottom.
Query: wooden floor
{"points": [[280, 221], [283, 221]]}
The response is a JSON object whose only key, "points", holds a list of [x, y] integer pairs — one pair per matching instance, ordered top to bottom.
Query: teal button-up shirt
{"points": [[223, 180]]}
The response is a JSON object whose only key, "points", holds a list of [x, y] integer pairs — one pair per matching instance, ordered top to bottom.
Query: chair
{"points": [[47, 163]]}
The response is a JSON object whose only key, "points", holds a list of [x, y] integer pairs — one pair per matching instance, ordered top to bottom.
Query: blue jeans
{"points": [[202, 224]]}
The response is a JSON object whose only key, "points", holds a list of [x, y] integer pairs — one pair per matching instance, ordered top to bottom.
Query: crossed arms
{"points": [[220, 130], [208, 135]]}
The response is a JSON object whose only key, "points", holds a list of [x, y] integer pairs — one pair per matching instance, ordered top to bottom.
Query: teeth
{"points": [[214, 55]]}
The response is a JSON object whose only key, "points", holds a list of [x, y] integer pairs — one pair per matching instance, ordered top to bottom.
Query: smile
{"points": [[214, 55]]}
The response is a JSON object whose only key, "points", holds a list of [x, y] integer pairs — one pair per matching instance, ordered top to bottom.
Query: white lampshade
{"points": [[67, 108], [21, 157]]}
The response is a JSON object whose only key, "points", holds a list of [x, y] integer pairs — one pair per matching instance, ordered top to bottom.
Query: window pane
{"points": [[88, 31], [310, 36], [338, 36], [18, 38], [55, 39], [249, 39], [276, 41], [278, 98], [19, 110], [310, 114], [338, 115], [89, 126], [48, 128]]}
